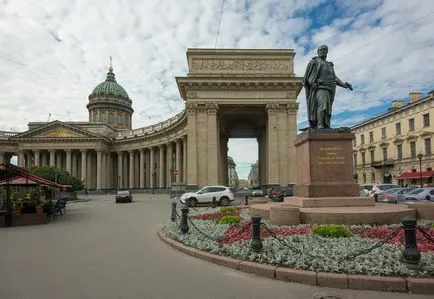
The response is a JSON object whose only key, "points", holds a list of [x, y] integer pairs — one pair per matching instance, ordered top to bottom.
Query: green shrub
{"points": [[228, 210], [232, 220], [432, 225], [332, 231]]}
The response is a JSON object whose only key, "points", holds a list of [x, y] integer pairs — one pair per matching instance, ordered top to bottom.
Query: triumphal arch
{"points": [[228, 93]]}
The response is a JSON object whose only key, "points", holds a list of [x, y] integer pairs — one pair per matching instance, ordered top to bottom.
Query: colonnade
{"points": [[148, 167]]}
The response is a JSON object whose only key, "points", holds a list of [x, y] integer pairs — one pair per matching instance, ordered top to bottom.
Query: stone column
{"points": [[292, 135], [213, 136], [272, 144], [282, 144], [192, 146], [36, 153], [2, 157], [52, 157], [20, 159], [184, 159], [178, 160], [68, 161], [74, 163], [169, 164], [83, 167], [120, 168], [142, 168], [151, 168], [161, 168], [131, 169], [109, 170], [99, 173]]}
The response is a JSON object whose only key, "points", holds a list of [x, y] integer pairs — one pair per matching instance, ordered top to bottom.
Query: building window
{"points": [[103, 116], [111, 117], [119, 119], [426, 120], [411, 124], [398, 128], [383, 133], [371, 136], [362, 139], [354, 142], [427, 146], [413, 149], [399, 151], [384, 153], [372, 156], [355, 159], [363, 159], [372, 177], [364, 178]]}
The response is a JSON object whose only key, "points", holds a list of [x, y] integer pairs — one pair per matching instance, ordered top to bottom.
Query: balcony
{"points": [[383, 163]]}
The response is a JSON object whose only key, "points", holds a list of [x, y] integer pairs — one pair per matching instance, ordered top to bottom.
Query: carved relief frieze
{"points": [[240, 65], [192, 95], [292, 107]]}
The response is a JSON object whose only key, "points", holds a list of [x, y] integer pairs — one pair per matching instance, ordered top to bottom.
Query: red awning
{"points": [[12, 172], [415, 175]]}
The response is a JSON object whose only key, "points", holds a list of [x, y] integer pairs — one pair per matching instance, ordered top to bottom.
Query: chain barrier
{"points": [[242, 230], [425, 234], [377, 245]]}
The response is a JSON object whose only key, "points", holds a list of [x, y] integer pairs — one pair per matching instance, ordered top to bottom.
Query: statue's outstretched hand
{"points": [[349, 86]]}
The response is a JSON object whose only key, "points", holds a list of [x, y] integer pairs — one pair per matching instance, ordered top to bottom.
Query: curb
{"points": [[78, 200], [321, 279]]}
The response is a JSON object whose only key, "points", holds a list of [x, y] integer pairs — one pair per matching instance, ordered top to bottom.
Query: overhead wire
{"points": [[218, 27]]}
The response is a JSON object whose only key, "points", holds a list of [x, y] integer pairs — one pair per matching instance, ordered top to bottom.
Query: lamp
{"points": [[420, 156]]}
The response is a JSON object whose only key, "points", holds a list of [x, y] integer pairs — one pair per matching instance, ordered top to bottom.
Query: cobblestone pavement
{"points": [[100, 249]]}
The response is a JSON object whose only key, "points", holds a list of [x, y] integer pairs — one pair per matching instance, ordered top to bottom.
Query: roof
{"points": [[415, 175]]}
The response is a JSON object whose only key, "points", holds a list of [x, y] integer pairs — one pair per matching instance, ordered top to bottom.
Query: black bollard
{"points": [[187, 202], [213, 202], [246, 202], [173, 216], [184, 220], [256, 243], [411, 252]]}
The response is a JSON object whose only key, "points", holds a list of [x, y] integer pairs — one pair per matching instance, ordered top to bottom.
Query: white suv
{"points": [[378, 188], [222, 194]]}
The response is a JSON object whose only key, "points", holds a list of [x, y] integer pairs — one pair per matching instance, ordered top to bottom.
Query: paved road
{"points": [[105, 250]]}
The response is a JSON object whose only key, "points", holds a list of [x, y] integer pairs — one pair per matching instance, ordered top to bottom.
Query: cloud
{"points": [[54, 53]]}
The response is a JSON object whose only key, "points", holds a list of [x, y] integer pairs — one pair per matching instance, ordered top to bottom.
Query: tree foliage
{"points": [[63, 177]]}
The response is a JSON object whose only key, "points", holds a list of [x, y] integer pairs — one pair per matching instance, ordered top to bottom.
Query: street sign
{"points": [[175, 172]]}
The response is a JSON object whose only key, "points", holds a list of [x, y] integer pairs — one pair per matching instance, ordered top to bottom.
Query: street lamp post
{"points": [[420, 156]]}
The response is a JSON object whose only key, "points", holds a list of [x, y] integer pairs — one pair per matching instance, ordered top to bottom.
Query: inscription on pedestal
{"points": [[331, 156]]}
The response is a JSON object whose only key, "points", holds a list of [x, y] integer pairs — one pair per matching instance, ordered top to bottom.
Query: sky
{"points": [[53, 53]]}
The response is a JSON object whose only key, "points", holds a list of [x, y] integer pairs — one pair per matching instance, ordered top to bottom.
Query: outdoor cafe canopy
{"points": [[14, 175]]}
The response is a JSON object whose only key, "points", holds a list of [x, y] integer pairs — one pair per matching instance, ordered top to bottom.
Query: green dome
{"points": [[110, 87]]}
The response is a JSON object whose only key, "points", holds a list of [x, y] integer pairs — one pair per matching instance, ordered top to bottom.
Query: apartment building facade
{"points": [[396, 147]]}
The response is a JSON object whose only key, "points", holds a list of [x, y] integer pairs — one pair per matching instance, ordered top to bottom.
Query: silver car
{"points": [[222, 194], [420, 194], [393, 195]]}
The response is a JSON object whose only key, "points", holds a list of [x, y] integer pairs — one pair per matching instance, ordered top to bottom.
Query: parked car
{"points": [[377, 188], [365, 189], [256, 191], [282, 193], [222, 194], [420, 194], [390, 195], [123, 196]]}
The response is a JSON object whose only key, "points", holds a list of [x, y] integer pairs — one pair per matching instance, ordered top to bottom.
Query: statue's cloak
{"points": [[311, 75]]}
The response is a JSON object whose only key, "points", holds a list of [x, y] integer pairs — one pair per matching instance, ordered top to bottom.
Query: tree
{"points": [[63, 177]]}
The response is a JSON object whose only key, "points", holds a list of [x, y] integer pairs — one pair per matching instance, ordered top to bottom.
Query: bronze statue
{"points": [[320, 83]]}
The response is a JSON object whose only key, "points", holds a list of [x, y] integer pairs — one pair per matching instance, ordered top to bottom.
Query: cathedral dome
{"points": [[110, 87]]}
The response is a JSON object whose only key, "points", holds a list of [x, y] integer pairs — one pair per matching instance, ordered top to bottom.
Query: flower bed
{"points": [[297, 247]]}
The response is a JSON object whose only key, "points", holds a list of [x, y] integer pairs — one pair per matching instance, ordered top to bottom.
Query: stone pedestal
{"points": [[325, 164]]}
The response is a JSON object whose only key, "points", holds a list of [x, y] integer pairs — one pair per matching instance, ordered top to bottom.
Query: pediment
{"points": [[56, 130]]}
